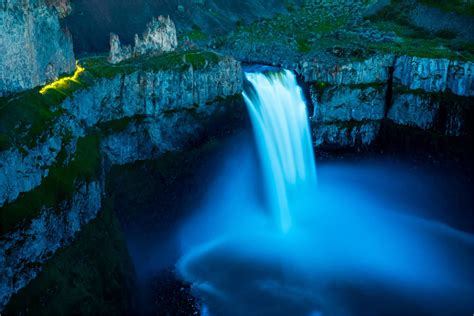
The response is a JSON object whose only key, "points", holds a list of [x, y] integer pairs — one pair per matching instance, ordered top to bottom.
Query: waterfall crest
{"points": [[280, 120]]}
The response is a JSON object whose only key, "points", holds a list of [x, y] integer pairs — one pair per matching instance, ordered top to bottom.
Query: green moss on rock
{"points": [[99, 67], [27, 116], [116, 126], [57, 187], [92, 276]]}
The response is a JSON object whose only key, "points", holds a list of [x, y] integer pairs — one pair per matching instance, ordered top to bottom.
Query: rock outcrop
{"points": [[159, 37], [34, 48], [118, 52], [372, 70], [435, 75], [137, 94], [351, 99], [349, 103], [414, 110], [160, 111], [347, 115], [23, 251]]}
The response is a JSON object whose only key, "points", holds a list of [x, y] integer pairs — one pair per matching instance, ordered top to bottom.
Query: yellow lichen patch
{"points": [[60, 82]]}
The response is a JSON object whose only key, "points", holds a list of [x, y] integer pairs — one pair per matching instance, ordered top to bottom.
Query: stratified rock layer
{"points": [[34, 49], [435, 75], [140, 93], [352, 98], [162, 110], [414, 110]]}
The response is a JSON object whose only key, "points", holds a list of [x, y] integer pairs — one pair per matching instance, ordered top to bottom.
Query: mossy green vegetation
{"points": [[298, 22], [304, 31], [195, 35], [415, 41], [303, 45], [99, 67], [320, 88], [26, 116], [117, 126], [55, 188], [92, 276]]}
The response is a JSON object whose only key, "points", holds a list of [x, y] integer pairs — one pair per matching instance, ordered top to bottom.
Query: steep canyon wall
{"points": [[34, 47]]}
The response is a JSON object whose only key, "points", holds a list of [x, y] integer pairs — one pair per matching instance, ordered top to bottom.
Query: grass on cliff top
{"points": [[299, 24], [310, 31], [196, 34], [416, 41], [179, 61], [26, 116], [55, 188]]}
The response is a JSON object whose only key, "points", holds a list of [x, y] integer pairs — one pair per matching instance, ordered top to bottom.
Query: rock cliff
{"points": [[35, 49], [344, 49], [435, 75], [352, 99], [128, 116]]}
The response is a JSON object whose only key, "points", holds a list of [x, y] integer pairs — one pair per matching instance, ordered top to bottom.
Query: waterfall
{"points": [[280, 120], [363, 227]]}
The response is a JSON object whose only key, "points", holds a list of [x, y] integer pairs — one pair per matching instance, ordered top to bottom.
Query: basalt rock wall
{"points": [[34, 47], [352, 99], [129, 117]]}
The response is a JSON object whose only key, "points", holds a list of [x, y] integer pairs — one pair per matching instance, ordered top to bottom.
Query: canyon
{"points": [[64, 125]]}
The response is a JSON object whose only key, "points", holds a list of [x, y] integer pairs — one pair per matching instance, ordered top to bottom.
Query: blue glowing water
{"points": [[280, 122], [359, 243]]}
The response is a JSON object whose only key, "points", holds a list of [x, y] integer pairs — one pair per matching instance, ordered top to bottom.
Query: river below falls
{"points": [[379, 182], [267, 229]]}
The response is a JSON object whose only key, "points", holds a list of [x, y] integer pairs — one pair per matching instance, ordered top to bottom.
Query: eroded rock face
{"points": [[63, 7], [159, 37], [34, 49], [117, 51], [371, 70], [421, 73], [435, 75], [460, 79], [141, 93], [425, 93], [349, 103], [164, 110], [414, 110], [347, 115], [346, 135], [20, 172], [23, 251]]}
